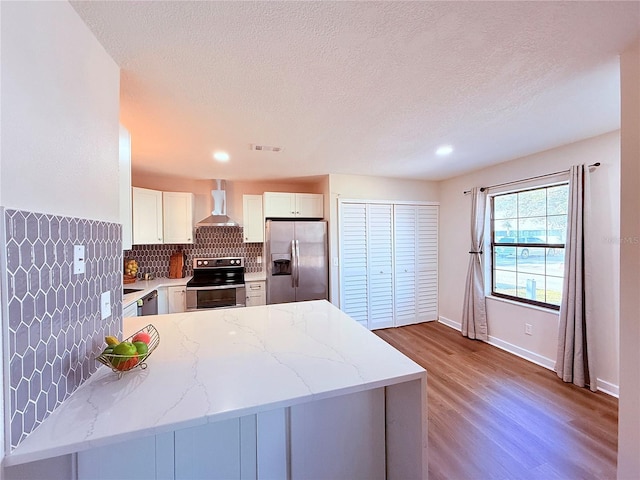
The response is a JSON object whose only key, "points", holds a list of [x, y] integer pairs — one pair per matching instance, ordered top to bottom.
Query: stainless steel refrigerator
{"points": [[297, 262]]}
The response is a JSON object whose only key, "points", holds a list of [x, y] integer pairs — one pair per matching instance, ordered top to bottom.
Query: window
{"points": [[528, 230]]}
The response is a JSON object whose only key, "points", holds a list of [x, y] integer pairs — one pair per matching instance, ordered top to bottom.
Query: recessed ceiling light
{"points": [[444, 150], [221, 156]]}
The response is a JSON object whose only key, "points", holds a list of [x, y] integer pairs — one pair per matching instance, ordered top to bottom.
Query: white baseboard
{"points": [[449, 323], [522, 353], [602, 385], [608, 388]]}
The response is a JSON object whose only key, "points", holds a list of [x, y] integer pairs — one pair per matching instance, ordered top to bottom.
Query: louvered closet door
{"points": [[406, 230], [380, 256], [427, 263], [354, 296]]}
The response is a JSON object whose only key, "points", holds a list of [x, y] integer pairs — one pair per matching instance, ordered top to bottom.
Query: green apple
{"points": [[142, 348], [125, 356]]}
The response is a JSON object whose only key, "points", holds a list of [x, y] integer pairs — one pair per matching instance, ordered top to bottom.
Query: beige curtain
{"points": [[474, 315], [575, 360]]}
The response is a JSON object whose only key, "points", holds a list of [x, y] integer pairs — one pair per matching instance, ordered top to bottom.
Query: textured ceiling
{"points": [[360, 87]]}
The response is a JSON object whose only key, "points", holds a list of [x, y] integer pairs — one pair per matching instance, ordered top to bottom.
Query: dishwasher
{"points": [[148, 305]]}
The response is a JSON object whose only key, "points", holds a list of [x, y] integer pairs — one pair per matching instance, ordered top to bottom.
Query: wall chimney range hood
{"points": [[218, 217]]}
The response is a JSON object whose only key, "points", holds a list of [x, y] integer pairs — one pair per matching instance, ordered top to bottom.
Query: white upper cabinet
{"points": [[125, 188], [293, 205], [309, 205], [177, 208], [147, 216], [162, 217], [253, 219]]}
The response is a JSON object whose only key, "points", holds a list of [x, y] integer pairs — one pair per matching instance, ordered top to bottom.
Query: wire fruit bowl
{"points": [[124, 363]]}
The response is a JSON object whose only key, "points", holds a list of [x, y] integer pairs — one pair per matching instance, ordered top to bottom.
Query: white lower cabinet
{"points": [[256, 293], [177, 299], [130, 311], [339, 438], [211, 451], [128, 460]]}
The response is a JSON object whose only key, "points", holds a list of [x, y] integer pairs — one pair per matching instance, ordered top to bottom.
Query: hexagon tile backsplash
{"points": [[209, 242], [54, 329]]}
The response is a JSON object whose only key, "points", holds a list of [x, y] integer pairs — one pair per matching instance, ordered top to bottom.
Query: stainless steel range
{"points": [[216, 283]]}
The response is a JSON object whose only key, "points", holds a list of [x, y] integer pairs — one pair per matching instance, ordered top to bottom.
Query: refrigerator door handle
{"points": [[297, 263], [294, 266]]}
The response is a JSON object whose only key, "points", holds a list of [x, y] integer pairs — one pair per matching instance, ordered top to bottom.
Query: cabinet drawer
{"points": [[256, 293]]}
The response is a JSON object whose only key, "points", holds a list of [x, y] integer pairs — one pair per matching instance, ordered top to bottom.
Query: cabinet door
{"points": [[125, 188], [279, 205], [309, 205], [147, 216], [177, 217], [253, 219], [405, 233], [427, 263], [380, 265], [354, 288], [256, 294], [176, 299], [130, 311], [211, 451], [126, 460]]}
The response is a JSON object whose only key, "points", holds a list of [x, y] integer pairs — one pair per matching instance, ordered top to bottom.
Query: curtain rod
{"points": [[482, 189]]}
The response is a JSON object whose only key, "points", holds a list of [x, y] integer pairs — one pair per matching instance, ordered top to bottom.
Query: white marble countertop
{"points": [[147, 286], [218, 364]]}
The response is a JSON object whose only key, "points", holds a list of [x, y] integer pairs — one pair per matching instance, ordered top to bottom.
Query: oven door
{"points": [[215, 297]]}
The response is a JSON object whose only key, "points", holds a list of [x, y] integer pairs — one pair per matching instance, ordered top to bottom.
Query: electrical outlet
{"points": [[105, 305], [528, 329]]}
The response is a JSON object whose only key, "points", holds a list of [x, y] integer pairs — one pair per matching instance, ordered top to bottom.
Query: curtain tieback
{"points": [[480, 252]]}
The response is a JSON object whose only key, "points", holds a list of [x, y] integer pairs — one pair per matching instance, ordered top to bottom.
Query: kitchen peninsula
{"points": [[295, 390]]}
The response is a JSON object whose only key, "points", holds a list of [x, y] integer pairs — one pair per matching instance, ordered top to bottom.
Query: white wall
{"points": [[60, 109], [367, 188], [506, 319], [629, 406]]}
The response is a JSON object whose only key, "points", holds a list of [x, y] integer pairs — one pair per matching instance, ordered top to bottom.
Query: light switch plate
{"points": [[78, 259], [105, 305]]}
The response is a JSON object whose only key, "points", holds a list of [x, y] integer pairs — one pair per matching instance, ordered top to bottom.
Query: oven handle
{"points": [[217, 287]]}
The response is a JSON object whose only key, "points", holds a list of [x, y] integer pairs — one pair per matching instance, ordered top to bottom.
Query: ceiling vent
{"points": [[265, 148]]}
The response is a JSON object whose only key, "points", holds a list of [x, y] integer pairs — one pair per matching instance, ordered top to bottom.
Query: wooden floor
{"points": [[493, 415]]}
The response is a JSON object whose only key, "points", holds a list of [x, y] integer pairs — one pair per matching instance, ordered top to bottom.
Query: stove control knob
{"points": [[206, 262]]}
